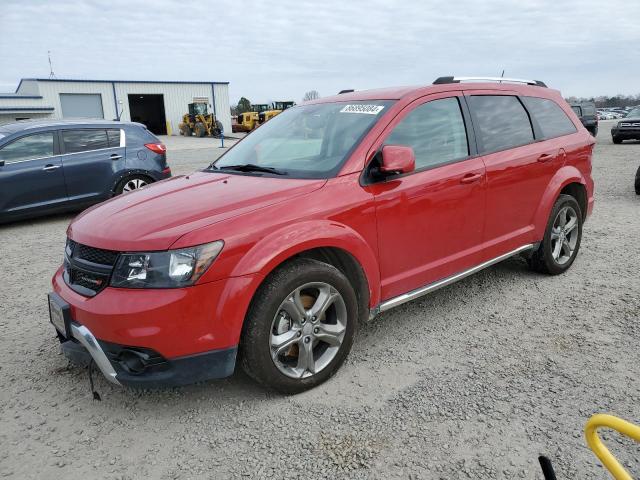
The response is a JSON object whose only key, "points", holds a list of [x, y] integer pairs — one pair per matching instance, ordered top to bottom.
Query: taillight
{"points": [[156, 147]]}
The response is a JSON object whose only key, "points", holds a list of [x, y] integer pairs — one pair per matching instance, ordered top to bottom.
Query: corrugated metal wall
{"points": [[176, 97]]}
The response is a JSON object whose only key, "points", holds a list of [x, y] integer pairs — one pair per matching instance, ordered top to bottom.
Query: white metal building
{"points": [[159, 105]]}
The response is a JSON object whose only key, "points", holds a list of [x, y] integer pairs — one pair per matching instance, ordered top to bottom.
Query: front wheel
{"points": [[616, 140], [562, 238], [300, 326]]}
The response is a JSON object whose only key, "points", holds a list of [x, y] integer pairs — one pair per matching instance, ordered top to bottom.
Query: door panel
{"points": [[90, 164], [517, 175], [32, 177], [430, 222], [430, 225]]}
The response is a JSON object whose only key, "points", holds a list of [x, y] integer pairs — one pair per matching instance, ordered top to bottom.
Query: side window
{"points": [[589, 109], [577, 110], [552, 120], [503, 122], [435, 131], [139, 136], [114, 137], [84, 140], [38, 145]]}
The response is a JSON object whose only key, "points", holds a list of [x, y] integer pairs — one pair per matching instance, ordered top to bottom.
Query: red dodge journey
{"points": [[331, 212]]}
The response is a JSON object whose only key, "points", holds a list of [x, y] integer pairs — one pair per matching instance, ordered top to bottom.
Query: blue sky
{"points": [[279, 49]]}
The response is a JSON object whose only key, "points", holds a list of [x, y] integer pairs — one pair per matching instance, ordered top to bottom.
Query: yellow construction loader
{"points": [[276, 108], [247, 121], [199, 122]]}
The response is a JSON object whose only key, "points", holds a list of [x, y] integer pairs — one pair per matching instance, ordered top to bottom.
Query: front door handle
{"points": [[115, 156], [545, 157], [49, 167], [471, 177]]}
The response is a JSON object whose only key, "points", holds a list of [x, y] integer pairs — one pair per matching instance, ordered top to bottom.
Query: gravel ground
{"points": [[473, 381]]}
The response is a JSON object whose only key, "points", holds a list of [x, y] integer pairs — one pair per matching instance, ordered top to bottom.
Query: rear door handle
{"points": [[115, 156], [545, 157], [50, 167], [471, 177]]}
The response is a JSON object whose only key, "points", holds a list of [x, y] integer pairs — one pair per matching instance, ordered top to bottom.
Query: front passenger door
{"points": [[31, 175], [430, 222]]}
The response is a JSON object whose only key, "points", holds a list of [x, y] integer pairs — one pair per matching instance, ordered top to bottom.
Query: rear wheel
{"points": [[200, 129], [132, 183], [562, 238], [300, 326]]}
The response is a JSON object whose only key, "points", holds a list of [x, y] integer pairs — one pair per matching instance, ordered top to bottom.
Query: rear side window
{"points": [[551, 118], [502, 122], [435, 131], [139, 136], [114, 137], [84, 140], [38, 145]]}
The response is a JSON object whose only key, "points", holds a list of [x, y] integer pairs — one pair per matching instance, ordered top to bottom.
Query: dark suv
{"points": [[586, 112], [627, 128], [53, 165]]}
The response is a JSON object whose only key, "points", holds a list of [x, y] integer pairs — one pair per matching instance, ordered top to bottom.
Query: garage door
{"points": [[81, 105]]}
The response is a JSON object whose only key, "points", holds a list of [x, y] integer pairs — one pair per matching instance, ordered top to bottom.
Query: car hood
{"points": [[628, 119], [154, 217]]}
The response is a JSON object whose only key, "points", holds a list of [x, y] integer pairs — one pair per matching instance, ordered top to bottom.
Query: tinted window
{"points": [[577, 110], [552, 120], [503, 122], [435, 131], [139, 136], [114, 137], [84, 140], [32, 146]]}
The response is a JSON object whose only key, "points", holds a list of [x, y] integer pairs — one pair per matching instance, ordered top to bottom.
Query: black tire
{"points": [[200, 130], [186, 131], [616, 140], [127, 182], [637, 185], [542, 259], [255, 344]]}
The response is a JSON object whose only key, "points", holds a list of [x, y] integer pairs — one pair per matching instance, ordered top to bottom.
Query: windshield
{"points": [[634, 113], [307, 141]]}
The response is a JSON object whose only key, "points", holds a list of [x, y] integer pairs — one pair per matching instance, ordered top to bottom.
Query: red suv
{"points": [[330, 213]]}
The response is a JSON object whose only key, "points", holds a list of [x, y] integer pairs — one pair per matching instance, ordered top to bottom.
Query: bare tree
{"points": [[311, 95]]}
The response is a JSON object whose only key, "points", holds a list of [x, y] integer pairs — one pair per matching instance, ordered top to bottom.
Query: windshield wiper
{"points": [[250, 167]]}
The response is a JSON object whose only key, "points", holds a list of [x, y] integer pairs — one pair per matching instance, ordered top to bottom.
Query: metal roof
{"points": [[80, 80]]}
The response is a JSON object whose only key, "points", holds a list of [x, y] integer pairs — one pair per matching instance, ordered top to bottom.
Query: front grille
{"points": [[93, 255], [88, 269]]}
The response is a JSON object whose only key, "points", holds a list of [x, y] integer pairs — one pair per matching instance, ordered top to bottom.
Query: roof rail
{"points": [[443, 80], [346, 91]]}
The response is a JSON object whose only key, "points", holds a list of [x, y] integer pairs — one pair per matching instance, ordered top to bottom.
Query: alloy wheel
{"points": [[134, 184], [564, 235], [308, 330]]}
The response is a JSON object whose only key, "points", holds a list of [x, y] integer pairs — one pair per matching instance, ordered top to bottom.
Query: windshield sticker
{"points": [[368, 109]]}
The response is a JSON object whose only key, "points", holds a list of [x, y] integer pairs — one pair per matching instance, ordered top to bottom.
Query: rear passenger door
{"points": [[92, 158], [519, 166]]}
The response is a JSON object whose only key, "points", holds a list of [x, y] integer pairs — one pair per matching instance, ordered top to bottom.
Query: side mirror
{"points": [[397, 159]]}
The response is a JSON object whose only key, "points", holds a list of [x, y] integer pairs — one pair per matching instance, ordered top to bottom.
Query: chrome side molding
{"points": [[431, 287]]}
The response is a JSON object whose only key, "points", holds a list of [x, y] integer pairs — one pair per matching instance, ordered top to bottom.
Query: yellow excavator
{"points": [[276, 108], [247, 121], [199, 122]]}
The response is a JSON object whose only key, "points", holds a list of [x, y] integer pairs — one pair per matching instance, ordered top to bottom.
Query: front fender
{"points": [[563, 177], [290, 240]]}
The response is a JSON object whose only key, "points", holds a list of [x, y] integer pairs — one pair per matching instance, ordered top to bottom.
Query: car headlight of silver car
{"points": [[169, 269]]}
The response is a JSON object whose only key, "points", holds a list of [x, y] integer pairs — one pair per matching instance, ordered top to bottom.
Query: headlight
{"points": [[170, 269]]}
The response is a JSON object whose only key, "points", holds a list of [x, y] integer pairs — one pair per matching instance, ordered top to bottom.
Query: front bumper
{"points": [[626, 133], [186, 334]]}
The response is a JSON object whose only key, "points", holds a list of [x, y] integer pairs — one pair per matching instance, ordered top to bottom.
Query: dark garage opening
{"points": [[149, 110]]}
